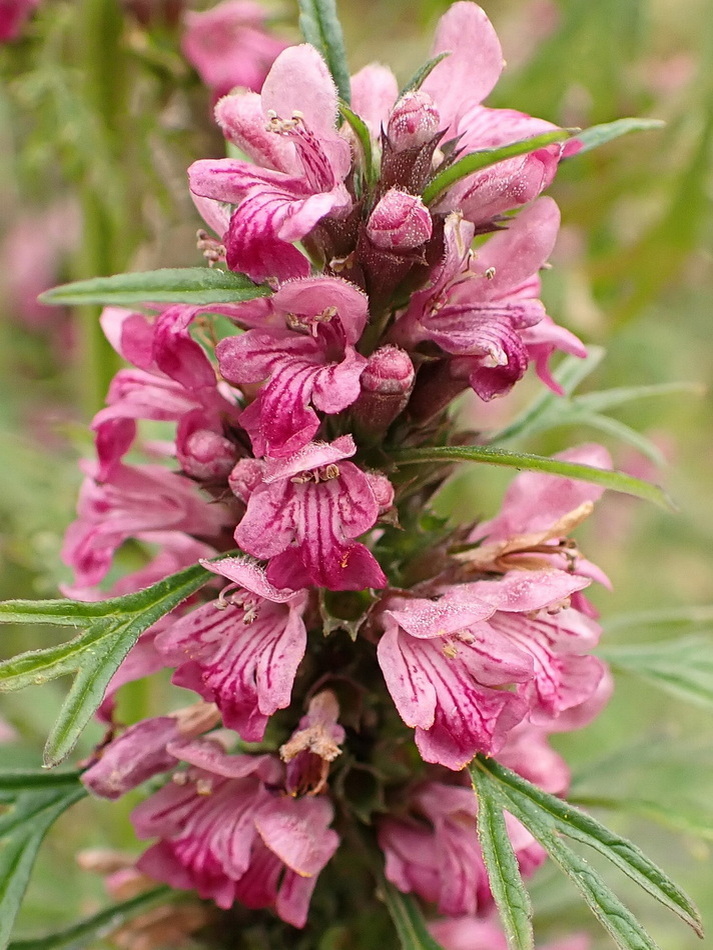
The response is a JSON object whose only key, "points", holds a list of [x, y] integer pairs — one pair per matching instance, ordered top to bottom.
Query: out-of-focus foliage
{"points": [[100, 116]]}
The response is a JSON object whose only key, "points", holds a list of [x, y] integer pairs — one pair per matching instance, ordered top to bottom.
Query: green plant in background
{"points": [[373, 781]]}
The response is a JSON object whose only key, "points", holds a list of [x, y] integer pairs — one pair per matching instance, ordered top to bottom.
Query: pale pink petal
{"points": [[470, 72], [300, 81], [374, 92]]}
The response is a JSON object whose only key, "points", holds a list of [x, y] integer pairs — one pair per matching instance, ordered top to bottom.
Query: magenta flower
{"points": [[13, 16], [230, 46], [458, 85], [448, 106], [304, 164], [478, 306], [305, 355], [173, 381], [134, 501], [538, 513], [304, 516], [242, 651], [446, 661], [445, 670], [313, 746], [141, 751], [225, 833], [438, 856], [475, 933]]}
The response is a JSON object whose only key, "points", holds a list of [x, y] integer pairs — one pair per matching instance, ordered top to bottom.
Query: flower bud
{"points": [[413, 122], [399, 222], [386, 384], [205, 455], [245, 478]]}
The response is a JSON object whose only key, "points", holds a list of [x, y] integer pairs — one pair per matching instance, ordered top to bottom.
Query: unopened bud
{"points": [[413, 122], [399, 222], [386, 384], [206, 455], [245, 478], [383, 491]]}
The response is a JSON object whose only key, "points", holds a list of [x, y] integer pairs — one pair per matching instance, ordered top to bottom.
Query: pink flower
{"points": [[13, 16], [230, 46], [458, 85], [450, 100], [304, 162], [399, 222], [478, 306], [306, 356], [173, 381], [134, 501], [538, 513], [304, 515], [242, 651], [446, 661], [445, 671], [313, 746], [142, 750], [227, 832], [434, 852], [475, 933]]}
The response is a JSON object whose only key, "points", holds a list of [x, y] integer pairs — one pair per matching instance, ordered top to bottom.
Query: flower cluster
{"points": [[347, 625]]}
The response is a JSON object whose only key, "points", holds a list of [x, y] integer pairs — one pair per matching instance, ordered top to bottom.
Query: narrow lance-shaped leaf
{"points": [[320, 26], [422, 74], [361, 131], [601, 134], [477, 161], [197, 286], [569, 374], [616, 481], [690, 618], [95, 654], [681, 667], [29, 809], [548, 817], [684, 817], [511, 897], [407, 919], [101, 925]]}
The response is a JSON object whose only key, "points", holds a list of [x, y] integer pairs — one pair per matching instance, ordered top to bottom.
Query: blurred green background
{"points": [[99, 118]]}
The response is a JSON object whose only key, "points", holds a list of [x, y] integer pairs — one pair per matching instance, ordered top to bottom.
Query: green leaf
{"points": [[320, 26], [420, 76], [608, 131], [362, 133], [476, 161], [189, 285], [569, 374], [605, 399], [550, 411], [618, 430], [616, 481], [691, 617], [111, 629], [682, 667], [24, 780], [31, 804], [548, 818], [686, 818], [510, 895], [408, 919], [101, 925]]}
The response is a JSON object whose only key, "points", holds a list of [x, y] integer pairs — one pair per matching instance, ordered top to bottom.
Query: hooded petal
{"points": [[466, 76], [374, 92]]}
